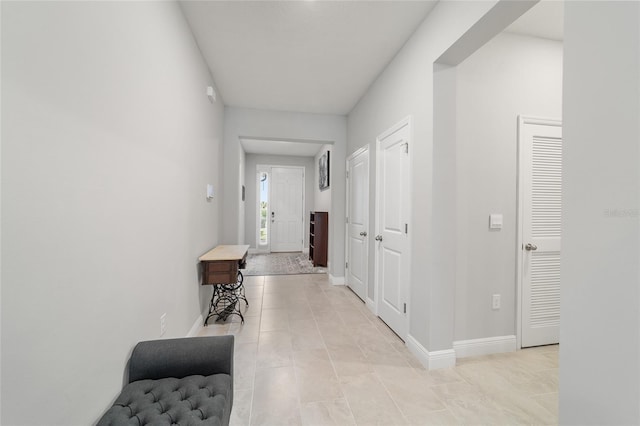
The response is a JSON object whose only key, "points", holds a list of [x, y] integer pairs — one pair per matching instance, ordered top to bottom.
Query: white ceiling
{"points": [[545, 19], [307, 56], [315, 56], [281, 147]]}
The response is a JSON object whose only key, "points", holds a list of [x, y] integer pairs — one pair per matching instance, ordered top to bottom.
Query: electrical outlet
{"points": [[496, 302], [163, 324]]}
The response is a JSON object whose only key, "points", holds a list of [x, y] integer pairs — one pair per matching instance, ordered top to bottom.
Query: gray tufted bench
{"points": [[182, 382]]}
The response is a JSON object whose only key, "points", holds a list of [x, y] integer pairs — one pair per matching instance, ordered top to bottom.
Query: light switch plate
{"points": [[495, 221]]}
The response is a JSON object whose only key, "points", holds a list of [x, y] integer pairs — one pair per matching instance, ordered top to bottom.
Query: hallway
{"points": [[311, 353]]}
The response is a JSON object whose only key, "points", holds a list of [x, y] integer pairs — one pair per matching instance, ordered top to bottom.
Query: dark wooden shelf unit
{"points": [[318, 238]]}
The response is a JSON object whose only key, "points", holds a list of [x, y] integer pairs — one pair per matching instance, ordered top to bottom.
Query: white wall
{"points": [[510, 75], [406, 88], [288, 126], [108, 142], [251, 200], [600, 301]]}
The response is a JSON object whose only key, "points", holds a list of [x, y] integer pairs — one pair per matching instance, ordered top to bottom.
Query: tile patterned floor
{"points": [[310, 353]]}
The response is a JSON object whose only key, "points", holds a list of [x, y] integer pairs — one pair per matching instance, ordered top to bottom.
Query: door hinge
{"points": [[406, 147], [347, 174], [346, 219], [406, 228], [346, 265], [405, 308]]}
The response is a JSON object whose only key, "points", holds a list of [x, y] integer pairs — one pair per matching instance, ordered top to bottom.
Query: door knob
{"points": [[363, 234], [378, 237], [531, 247]]}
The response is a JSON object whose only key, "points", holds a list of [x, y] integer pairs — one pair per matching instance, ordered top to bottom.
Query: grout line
{"points": [[342, 303], [255, 360], [293, 362], [335, 372], [390, 396]]}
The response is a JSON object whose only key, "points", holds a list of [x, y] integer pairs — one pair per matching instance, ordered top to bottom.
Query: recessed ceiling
{"points": [[545, 20], [307, 56], [281, 147]]}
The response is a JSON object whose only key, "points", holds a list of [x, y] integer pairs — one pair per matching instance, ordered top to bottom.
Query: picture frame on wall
{"points": [[323, 171]]}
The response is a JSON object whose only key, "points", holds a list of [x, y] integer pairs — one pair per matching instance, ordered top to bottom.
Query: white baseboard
{"points": [[253, 250], [305, 250], [336, 280], [372, 306], [195, 328], [484, 346], [442, 359], [431, 360]]}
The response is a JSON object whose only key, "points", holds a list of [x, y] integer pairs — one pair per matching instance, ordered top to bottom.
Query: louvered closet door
{"points": [[541, 171]]}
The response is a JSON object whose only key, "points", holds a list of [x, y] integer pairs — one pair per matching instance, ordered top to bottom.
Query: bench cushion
{"points": [[192, 400]]}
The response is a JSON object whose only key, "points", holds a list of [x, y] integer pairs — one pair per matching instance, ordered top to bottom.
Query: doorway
{"points": [[393, 204], [280, 209], [539, 230], [357, 238]]}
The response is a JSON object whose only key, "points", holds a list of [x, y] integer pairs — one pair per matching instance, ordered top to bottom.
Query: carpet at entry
{"points": [[281, 264]]}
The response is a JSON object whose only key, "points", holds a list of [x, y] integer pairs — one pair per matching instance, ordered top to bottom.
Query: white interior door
{"points": [[287, 201], [541, 209], [358, 222], [392, 242]]}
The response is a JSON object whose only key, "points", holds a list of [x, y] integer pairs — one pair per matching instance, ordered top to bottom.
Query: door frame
{"points": [[523, 120], [407, 121], [268, 168], [262, 169], [370, 303]]}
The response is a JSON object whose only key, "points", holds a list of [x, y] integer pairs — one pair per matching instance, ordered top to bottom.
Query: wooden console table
{"points": [[220, 268]]}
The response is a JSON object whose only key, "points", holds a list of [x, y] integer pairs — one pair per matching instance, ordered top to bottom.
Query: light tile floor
{"points": [[311, 353]]}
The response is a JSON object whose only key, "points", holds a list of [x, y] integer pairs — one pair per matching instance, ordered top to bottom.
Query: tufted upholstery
{"points": [[162, 395], [193, 400]]}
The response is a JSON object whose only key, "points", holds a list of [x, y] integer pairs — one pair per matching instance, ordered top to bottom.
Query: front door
{"points": [[541, 211], [286, 214], [358, 222], [392, 242]]}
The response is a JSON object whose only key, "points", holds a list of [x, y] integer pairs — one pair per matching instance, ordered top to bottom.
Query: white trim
{"points": [[522, 120], [408, 122], [362, 150], [358, 152], [304, 201], [305, 250], [336, 280], [371, 304], [195, 328], [484, 346], [418, 350], [442, 359], [431, 360]]}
